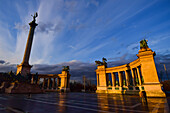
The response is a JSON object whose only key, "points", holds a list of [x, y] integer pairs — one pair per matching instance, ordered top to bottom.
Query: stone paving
{"points": [[80, 103]]}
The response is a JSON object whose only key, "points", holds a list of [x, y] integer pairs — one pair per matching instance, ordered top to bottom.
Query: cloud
{"points": [[19, 26], [49, 27], [2, 62], [77, 69]]}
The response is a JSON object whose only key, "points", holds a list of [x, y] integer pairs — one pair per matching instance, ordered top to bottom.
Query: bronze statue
{"points": [[35, 16], [143, 44], [99, 63], [65, 68]]}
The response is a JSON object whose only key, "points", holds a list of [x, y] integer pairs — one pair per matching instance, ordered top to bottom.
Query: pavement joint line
{"points": [[95, 96], [3, 98], [101, 99], [88, 102], [94, 104], [135, 105], [70, 106], [84, 107], [2, 108], [166, 108], [155, 109], [14, 110]]}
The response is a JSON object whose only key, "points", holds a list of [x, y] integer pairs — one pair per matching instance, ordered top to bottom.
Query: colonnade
{"points": [[131, 78], [128, 79], [52, 82]]}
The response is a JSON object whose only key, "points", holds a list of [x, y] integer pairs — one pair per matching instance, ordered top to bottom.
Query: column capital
{"points": [[33, 24]]}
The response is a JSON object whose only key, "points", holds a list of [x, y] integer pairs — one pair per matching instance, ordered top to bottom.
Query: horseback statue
{"points": [[144, 44], [99, 63], [65, 68]]}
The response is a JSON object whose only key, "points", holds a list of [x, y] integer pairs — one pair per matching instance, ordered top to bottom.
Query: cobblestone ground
{"points": [[80, 103]]}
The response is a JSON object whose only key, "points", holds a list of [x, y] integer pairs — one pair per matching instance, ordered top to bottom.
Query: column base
{"points": [[23, 69], [102, 88], [153, 90]]}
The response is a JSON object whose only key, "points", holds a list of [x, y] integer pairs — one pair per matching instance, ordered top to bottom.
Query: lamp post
{"points": [[165, 70]]}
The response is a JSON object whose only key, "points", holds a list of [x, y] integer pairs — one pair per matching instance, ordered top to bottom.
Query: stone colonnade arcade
{"points": [[130, 78], [54, 82]]}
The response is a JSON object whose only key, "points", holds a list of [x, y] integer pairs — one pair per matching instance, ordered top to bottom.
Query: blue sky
{"points": [[83, 30]]}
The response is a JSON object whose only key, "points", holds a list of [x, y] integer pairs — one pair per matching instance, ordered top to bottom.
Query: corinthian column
{"points": [[24, 68]]}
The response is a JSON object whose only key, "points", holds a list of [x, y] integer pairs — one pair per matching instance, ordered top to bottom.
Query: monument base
{"points": [[23, 69], [23, 88], [64, 89], [153, 90]]}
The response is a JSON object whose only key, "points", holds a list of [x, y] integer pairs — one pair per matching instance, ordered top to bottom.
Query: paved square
{"points": [[80, 103]]}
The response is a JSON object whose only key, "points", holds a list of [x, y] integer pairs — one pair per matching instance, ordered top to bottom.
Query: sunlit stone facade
{"points": [[130, 78]]}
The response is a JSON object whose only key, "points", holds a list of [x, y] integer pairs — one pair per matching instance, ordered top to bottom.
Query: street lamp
{"points": [[165, 70]]}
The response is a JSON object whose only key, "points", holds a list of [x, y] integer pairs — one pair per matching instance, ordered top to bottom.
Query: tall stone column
{"points": [[24, 68], [97, 77], [133, 77], [127, 78], [139, 78], [32, 79], [113, 79], [120, 80], [38, 81], [43, 84], [48, 84], [53, 86]]}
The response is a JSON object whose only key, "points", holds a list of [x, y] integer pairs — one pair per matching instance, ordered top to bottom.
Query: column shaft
{"points": [[133, 77], [127, 78], [32, 79], [97, 79], [113, 79], [120, 79], [38, 81], [43, 83], [140, 83], [48, 84], [53, 86]]}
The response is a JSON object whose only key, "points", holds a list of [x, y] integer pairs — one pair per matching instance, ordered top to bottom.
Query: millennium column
{"points": [[24, 68]]}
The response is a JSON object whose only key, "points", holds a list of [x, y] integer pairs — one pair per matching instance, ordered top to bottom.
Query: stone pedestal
{"points": [[23, 69], [102, 78], [65, 81], [151, 83]]}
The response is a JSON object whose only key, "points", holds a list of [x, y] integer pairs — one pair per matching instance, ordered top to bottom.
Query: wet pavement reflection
{"points": [[81, 103]]}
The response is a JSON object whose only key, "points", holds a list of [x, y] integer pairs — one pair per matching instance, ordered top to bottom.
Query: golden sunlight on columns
{"points": [[97, 77], [133, 77], [127, 78], [32, 79], [113, 79], [120, 80], [38, 81], [140, 83], [151, 83], [48, 84], [43, 86], [53, 86]]}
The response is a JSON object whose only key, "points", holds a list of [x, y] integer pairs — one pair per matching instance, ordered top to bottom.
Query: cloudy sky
{"points": [[78, 32]]}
